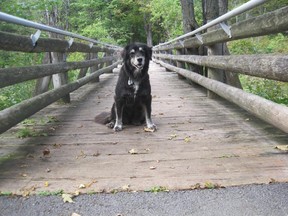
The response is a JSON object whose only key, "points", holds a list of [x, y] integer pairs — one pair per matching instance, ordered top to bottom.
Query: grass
{"points": [[49, 193]]}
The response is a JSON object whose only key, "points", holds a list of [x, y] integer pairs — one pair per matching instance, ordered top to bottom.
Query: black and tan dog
{"points": [[132, 100]]}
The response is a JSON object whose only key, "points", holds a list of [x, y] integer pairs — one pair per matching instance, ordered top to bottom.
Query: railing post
{"points": [[212, 12], [180, 64], [94, 68], [83, 71], [61, 78], [42, 84]]}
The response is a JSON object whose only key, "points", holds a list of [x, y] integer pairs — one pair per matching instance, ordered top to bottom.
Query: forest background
{"points": [[124, 21]]}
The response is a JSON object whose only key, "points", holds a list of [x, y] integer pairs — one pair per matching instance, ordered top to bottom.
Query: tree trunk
{"points": [[211, 13], [190, 24], [148, 28], [230, 78]]}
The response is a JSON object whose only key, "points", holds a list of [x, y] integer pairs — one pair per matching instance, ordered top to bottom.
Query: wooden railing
{"points": [[174, 57], [100, 59]]}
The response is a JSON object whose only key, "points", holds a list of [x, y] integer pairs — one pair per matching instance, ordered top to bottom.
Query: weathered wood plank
{"points": [[14, 42], [265, 66], [275, 114], [224, 144]]}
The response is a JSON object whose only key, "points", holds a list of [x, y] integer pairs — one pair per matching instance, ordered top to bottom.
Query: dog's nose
{"points": [[139, 60]]}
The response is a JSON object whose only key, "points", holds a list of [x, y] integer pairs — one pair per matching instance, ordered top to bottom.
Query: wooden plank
{"points": [[14, 42], [224, 144]]}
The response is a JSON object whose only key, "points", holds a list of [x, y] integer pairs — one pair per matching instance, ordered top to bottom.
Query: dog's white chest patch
{"points": [[135, 85]]}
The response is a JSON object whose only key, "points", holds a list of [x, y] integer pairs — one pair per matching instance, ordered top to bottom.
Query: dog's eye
{"points": [[141, 50], [132, 52]]}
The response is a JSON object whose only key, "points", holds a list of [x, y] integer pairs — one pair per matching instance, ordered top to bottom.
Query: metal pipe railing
{"points": [[245, 7], [20, 21]]}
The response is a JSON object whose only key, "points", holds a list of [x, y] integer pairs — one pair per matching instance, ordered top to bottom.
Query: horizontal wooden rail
{"points": [[270, 23], [14, 42], [265, 66], [9, 76], [266, 110], [15, 114]]}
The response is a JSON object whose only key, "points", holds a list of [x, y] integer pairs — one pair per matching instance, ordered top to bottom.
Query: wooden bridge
{"points": [[200, 142]]}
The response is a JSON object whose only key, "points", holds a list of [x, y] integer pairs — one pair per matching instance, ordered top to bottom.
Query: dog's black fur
{"points": [[132, 100]]}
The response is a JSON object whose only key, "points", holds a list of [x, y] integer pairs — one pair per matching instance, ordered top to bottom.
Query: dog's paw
{"points": [[110, 124], [117, 128], [150, 128]]}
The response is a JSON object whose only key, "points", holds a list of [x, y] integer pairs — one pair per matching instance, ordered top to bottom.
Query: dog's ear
{"points": [[125, 51], [149, 52]]}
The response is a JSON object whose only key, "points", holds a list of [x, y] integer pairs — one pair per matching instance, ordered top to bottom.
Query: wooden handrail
{"points": [[270, 23], [265, 66], [10, 76], [17, 113]]}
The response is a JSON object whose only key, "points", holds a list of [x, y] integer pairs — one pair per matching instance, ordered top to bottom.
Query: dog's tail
{"points": [[103, 118]]}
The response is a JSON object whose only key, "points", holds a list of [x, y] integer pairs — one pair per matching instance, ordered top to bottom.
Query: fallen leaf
{"points": [[149, 129], [172, 136], [187, 139], [55, 145], [282, 147], [133, 151], [46, 152], [82, 154], [96, 154], [30, 156], [152, 168], [48, 170], [272, 181], [46, 184], [89, 184], [82, 186], [196, 186], [126, 187], [27, 191], [67, 198], [75, 214]]}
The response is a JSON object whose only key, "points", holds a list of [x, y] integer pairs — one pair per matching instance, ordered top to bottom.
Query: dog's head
{"points": [[137, 56]]}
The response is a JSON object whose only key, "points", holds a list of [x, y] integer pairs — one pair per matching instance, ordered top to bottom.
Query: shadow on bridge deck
{"points": [[199, 140]]}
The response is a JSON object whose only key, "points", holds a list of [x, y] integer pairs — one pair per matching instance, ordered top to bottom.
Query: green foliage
{"points": [[170, 19], [266, 44], [269, 89], [12, 95], [28, 132], [157, 189], [5, 193], [49, 193]]}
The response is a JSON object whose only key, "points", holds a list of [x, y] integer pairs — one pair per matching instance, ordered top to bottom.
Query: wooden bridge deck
{"points": [[199, 140]]}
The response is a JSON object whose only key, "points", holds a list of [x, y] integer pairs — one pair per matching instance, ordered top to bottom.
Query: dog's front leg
{"points": [[147, 112], [119, 113]]}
